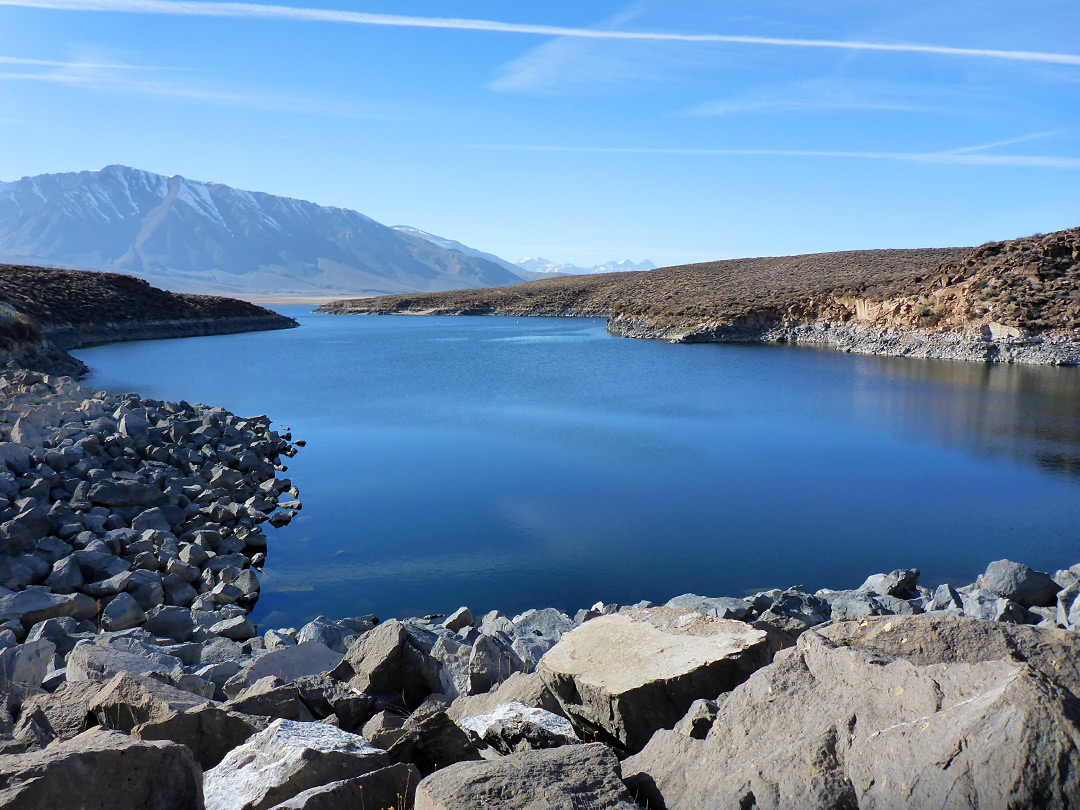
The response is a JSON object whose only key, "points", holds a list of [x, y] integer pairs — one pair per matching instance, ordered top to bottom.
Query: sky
{"points": [[578, 131]]}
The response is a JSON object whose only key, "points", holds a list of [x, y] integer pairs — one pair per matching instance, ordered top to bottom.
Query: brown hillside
{"points": [[1031, 283]]}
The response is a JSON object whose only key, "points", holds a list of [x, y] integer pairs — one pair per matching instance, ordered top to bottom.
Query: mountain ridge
{"points": [[191, 236]]}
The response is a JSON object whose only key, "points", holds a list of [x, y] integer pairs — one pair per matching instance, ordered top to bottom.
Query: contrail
{"points": [[265, 11], [957, 157]]}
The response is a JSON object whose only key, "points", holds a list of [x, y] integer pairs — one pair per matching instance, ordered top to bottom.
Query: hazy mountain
{"points": [[190, 236], [451, 244], [548, 268]]}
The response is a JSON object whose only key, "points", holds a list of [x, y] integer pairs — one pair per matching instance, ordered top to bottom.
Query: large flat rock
{"points": [[628, 674], [887, 712], [101, 768], [569, 778]]}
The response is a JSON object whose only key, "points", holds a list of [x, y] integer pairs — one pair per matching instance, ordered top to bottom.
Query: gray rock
{"points": [[66, 576], [900, 583], [1018, 583], [945, 598], [850, 605], [36, 606], [722, 607], [122, 613], [460, 618], [170, 622], [238, 628], [61, 632], [325, 632], [104, 657], [387, 661], [287, 664], [23, 666], [629, 674], [525, 688], [271, 697], [127, 700], [921, 711], [60, 715], [697, 722], [515, 727], [384, 729], [208, 730], [431, 740], [283, 761], [105, 769], [567, 778], [389, 788]]}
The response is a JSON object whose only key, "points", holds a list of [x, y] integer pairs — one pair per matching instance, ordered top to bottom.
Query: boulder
{"points": [[900, 583], [1018, 583], [36, 606], [722, 607], [122, 613], [459, 619], [170, 622], [238, 628], [325, 632], [104, 657], [387, 661], [287, 664], [23, 666], [628, 674], [521, 687], [271, 697], [125, 701], [918, 711], [62, 714], [514, 727], [384, 729], [208, 730], [430, 740], [286, 759], [102, 768], [568, 778], [385, 789]]}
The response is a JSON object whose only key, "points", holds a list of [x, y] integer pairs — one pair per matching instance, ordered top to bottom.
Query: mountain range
{"points": [[189, 236]]}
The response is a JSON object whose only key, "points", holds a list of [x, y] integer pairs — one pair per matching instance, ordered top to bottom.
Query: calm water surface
{"points": [[524, 462]]}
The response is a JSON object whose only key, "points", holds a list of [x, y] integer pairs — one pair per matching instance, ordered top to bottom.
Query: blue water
{"points": [[519, 462]]}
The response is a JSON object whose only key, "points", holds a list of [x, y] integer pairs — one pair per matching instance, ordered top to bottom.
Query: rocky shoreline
{"points": [[982, 346], [130, 554]]}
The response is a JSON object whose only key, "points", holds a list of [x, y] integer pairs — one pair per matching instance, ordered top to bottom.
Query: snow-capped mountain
{"points": [[190, 236], [548, 268]]}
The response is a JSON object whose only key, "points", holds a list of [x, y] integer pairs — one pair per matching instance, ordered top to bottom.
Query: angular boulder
{"points": [[1018, 583], [386, 661], [287, 664], [628, 674], [521, 687], [914, 711], [515, 727], [208, 730], [430, 740], [284, 760], [101, 768], [568, 778], [385, 789]]}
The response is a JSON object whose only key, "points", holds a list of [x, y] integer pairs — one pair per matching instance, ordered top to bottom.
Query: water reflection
{"points": [[1029, 414]]}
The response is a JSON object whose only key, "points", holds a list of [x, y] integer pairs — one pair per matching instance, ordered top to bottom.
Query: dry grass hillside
{"points": [[1031, 283], [53, 298]]}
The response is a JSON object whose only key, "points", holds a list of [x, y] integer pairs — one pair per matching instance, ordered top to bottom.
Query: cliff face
{"points": [[1015, 301], [45, 312]]}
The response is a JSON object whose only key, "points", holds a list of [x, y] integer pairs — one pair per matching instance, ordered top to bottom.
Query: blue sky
{"points": [[746, 127]]}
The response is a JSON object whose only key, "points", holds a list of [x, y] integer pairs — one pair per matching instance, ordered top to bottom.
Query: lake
{"points": [[529, 462]]}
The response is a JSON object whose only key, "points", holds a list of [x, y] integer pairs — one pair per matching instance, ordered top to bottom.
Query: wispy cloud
{"points": [[264, 11], [143, 82], [813, 96], [959, 157]]}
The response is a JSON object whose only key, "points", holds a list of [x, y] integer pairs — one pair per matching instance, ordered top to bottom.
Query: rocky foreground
{"points": [[1016, 301], [133, 677]]}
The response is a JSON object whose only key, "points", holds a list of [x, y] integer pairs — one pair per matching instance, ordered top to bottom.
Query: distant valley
{"points": [[194, 237]]}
